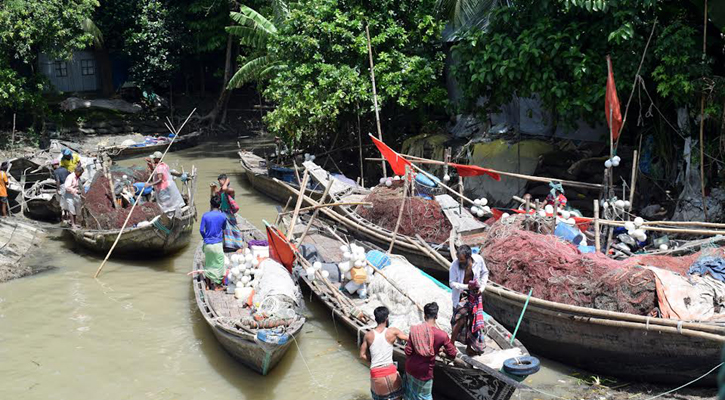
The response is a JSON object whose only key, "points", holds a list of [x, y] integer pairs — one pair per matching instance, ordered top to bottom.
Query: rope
{"points": [[158, 225], [306, 365], [650, 398]]}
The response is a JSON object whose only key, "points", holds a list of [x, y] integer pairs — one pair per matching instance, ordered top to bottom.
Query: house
{"points": [[79, 74]]}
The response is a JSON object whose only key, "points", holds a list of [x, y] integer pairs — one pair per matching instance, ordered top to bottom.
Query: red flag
{"points": [[614, 121], [396, 161], [473, 170], [280, 249]]}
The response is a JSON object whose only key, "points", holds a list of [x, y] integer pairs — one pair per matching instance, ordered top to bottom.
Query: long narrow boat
{"points": [[120, 152], [258, 175], [164, 234], [226, 318], [610, 343], [465, 377]]}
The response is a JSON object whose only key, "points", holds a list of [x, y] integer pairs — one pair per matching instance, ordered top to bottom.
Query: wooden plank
{"points": [[321, 176], [461, 219]]}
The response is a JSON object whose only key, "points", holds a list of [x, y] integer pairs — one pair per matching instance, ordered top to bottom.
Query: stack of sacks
{"points": [[242, 269]]}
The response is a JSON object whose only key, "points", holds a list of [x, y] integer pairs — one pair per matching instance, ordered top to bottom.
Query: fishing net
{"points": [[98, 211], [420, 216], [557, 271], [421, 288]]}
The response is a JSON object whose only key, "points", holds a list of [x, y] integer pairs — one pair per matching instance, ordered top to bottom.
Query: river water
{"points": [[135, 332]]}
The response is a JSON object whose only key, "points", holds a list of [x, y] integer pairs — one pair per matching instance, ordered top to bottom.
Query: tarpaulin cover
{"points": [[396, 161], [474, 170], [280, 249], [699, 298]]}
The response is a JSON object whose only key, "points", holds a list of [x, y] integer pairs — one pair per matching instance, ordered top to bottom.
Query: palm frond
{"points": [[281, 10], [466, 13], [248, 17], [90, 27], [249, 37], [250, 71]]}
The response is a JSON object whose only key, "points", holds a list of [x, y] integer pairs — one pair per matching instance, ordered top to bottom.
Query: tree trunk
{"points": [[222, 100]]}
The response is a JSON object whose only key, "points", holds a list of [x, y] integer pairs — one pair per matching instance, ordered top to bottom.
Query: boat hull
{"points": [[121, 152], [43, 209], [146, 240], [246, 350], [630, 353]]}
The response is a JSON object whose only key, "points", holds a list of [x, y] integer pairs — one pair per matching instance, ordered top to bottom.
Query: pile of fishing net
{"points": [[97, 210], [420, 216], [557, 271], [420, 287]]}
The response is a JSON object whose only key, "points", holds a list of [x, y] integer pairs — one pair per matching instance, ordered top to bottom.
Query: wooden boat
{"points": [[120, 152], [258, 175], [42, 200], [166, 233], [163, 236], [224, 316], [610, 343], [627, 346], [465, 378]]}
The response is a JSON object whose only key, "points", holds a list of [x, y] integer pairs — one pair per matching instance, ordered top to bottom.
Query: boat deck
{"points": [[225, 304]]}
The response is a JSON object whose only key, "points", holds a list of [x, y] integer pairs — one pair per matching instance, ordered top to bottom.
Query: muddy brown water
{"points": [[135, 332]]}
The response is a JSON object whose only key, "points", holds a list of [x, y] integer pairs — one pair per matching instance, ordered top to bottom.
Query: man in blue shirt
{"points": [[212, 230]]}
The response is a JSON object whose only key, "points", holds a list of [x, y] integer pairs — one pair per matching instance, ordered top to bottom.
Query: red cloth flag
{"points": [[611, 101], [396, 161], [473, 170], [280, 249]]}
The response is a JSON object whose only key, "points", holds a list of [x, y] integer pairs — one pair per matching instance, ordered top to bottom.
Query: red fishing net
{"points": [[98, 211], [420, 216], [557, 271]]}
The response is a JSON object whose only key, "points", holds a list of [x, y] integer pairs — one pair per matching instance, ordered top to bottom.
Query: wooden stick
{"points": [[375, 94], [702, 121], [12, 137], [359, 142], [109, 177], [634, 178], [564, 182], [303, 186], [138, 196], [328, 205], [317, 210], [284, 211], [400, 212], [685, 223], [597, 233], [432, 253]]}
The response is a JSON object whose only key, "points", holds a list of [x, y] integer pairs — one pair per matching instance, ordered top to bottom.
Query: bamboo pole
{"points": [[375, 94], [702, 120], [12, 137], [635, 162], [564, 182], [303, 186], [138, 196], [328, 205], [284, 211], [317, 211], [685, 223], [597, 229], [394, 236], [432, 253]]}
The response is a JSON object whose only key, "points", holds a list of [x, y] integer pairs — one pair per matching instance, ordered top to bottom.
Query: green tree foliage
{"points": [[29, 27], [153, 44], [555, 49], [323, 80]]}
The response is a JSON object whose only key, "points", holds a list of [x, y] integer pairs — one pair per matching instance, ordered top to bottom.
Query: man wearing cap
{"points": [[70, 160], [61, 174], [167, 194]]}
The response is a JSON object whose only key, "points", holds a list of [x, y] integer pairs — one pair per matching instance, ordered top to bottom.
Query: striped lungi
{"points": [[233, 237], [385, 383], [416, 389]]}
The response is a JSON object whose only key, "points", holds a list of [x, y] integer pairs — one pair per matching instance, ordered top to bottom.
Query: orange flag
{"points": [[614, 120], [396, 161]]}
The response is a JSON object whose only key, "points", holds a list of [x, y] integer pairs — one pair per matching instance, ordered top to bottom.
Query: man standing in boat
{"points": [[70, 160], [167, 194], [212, 231], [468, 275], [426, 340], [385, 381]]}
